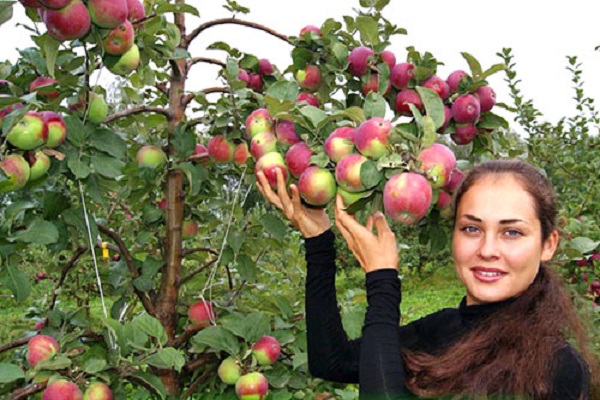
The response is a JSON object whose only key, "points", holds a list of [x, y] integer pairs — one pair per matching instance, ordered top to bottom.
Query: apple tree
{"points": [[172, 278]]}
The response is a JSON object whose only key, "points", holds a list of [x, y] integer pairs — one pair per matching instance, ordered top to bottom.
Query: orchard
{"points": [[166, 274]]}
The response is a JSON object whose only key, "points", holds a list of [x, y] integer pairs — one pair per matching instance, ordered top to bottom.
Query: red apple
{"points": [[31, 3], [55, 4], [135, 10], [108, 13], [68, 23], [310, 28], [119, 39], [389, 58], [358, 60], [265, 67], [401, 74], [309, 78], [455, 78], [255, 82], [40, 84], [372, 85], [438, 85], [406, 97], [486, 97], [308, 98], [466, 108], [258, 121], [57, 128], [286, 132], [29, 133], [464, 133], [371, 137], [263, 143], [340, 143], [221, 149], [241, 153], [200, 154], [150, 157], [297, 158], [437, 162], [269, 164], [39, 166], [17, 171], [347, 173], [456, 177], [316, 186], [407, 197], [444, 200], [162, 204], [189, 229], [201, 314], [41, 348], [266, 350], [229, 371], [252, 386], [62, 390], [98, 391]]}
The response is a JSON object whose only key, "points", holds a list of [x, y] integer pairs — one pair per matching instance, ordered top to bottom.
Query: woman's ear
{"points": [[549, 246]]}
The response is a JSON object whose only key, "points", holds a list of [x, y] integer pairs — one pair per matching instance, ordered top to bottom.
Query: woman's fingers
{"points": [[265, 189]]}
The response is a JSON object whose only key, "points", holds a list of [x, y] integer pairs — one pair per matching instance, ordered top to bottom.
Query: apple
{"points": [[31, 3], [54, 4], [135, 10], [108, 13], [68, 23], [310, 28], [119, 39], [389, 58], [358, 60], [125, 63], [265, 67], [401, 74], [243, 76], [309, 78], [455, 78], [255, 82], [39, 85], [372, 85], [438, 85], [406, 97], [486, 97], [308, 98], [466, 108], [7, 110], [98, 110], [258, 121], [57, 128], [285, 131], [29, 133], [464, 133], [371, 137], [263, 143], [340, 143], [221, 149], [200, 153], [241, 153], [149, 156], [297, 158], [437, 162], [269, 164], [40, 165], [17, 172], [347, 173], [456, 177], [317, 186], [407, 197], [444, 199], [162, 204], [189, 229], [201, 314], [39, 326], [41, 348], [266, 350], [229, 371], [252, 386], [62, 389], [98, 391], [324, 396]]}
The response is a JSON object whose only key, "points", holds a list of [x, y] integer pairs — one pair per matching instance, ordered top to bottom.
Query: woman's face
{"points": [[497, 240]]}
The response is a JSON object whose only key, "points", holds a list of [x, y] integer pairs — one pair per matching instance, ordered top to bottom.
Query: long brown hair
{"points": [[507, 353]]}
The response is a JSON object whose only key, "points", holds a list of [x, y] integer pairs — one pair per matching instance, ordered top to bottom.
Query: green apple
{"points": [[125, 63], [98, 110], [29, 133], [150, 157], [40, 166], [17, 173]]}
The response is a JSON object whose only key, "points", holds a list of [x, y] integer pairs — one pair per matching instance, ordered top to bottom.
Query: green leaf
{"points": [[176, 8], [6, 11], [369, 29], [51, 46], [340, 51], [474, 65], [492, 70], [283, 90], [375, 105], [434, 106], [314, 114], [356, 114], [489, 120], [76, 130], [428, 133], [183, 141], [109, 142], [107, 166], [80, 169], [195, 174], [369, 175], [54, 203], [13, 210], [274, 226], [38, 232], [235, 240], [583, 245], [246, 267], [17, 282], [353, 318], [150, 326], [250, 327], [217, 338], [167, 358], [299, 360], [55, 363], [10, 373], [151, 381]]}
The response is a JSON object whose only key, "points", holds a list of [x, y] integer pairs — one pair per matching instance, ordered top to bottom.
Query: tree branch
{"points": [[189, 38], [207, 60], [216, 89], [138, 110], [185, 252], [78, 253], [196, 272], [144, 298], [14, 344], [194, 386], [25, 392]]}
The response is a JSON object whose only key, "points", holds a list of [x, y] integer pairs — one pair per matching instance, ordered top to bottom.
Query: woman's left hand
{"points": [[373, 251]]}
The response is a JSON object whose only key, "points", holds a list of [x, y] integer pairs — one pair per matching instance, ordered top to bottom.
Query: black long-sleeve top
{"points": [[374, 361]]}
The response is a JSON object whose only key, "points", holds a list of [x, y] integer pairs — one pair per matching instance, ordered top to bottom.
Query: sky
{"points": [[541, 33]]}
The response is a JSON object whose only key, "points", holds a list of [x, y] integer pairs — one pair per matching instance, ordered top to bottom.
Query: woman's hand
{"points": [[309, 221], [373, 251]]}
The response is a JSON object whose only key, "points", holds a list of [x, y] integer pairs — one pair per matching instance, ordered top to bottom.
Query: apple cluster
{"points": [[114, 19], [254, 78]]}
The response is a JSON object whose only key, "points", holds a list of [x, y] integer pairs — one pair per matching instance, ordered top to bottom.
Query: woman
{"points": [[508, 337]]}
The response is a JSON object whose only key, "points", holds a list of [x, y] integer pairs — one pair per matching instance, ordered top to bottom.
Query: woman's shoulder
{"points": [[571, 373]]}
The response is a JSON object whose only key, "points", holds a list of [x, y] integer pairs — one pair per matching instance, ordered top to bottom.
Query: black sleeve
{"points": [[331, 355], [382, 373], [572, 376]]}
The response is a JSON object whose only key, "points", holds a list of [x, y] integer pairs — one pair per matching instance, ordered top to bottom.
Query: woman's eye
{"points": [[470, 229], [513, 233]]}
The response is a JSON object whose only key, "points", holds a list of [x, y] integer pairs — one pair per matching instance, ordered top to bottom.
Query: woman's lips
{"points": [[487, 275]]}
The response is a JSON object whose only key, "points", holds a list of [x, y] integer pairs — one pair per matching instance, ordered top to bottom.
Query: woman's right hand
{"points": [[309, 221]]}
